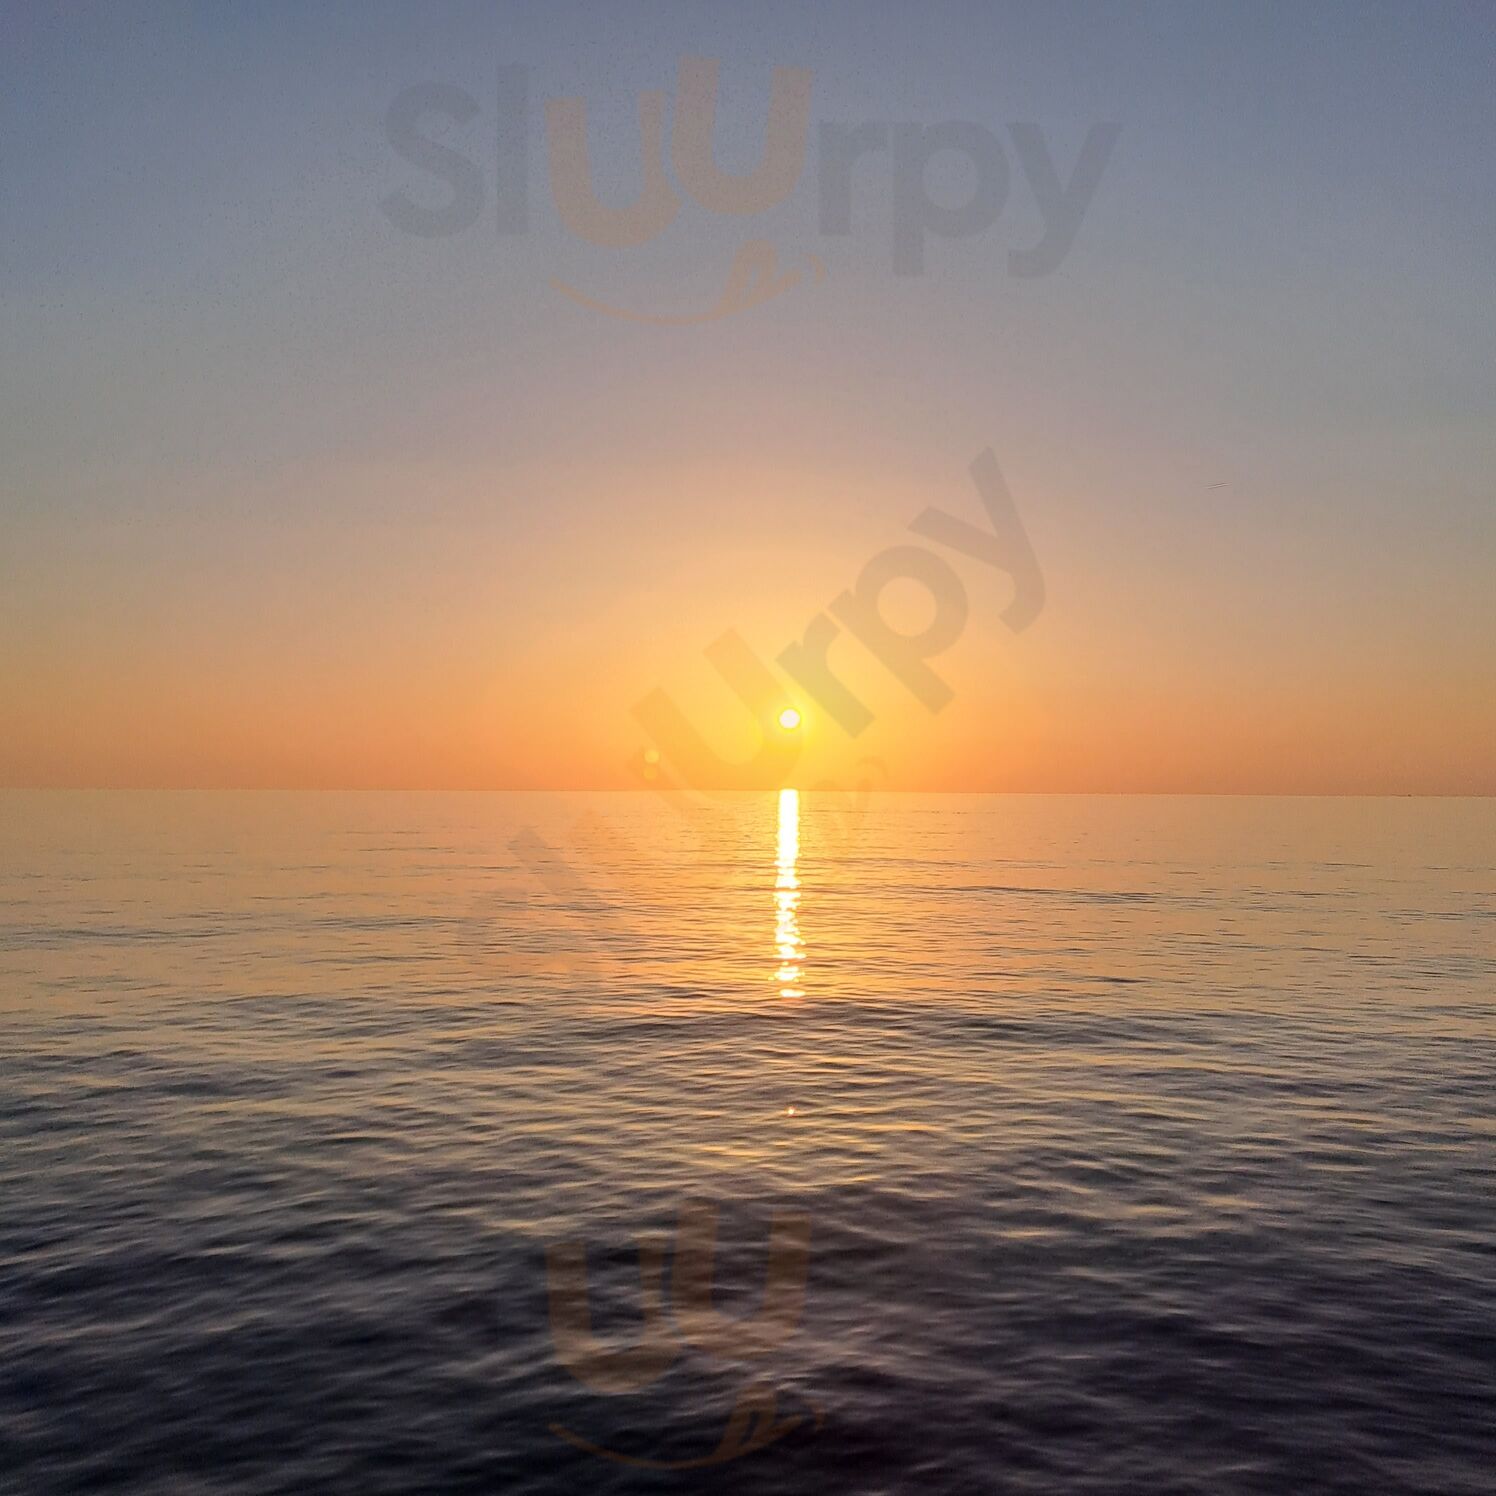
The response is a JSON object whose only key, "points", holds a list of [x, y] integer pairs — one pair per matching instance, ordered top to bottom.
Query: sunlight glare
{"points": [[788, 944]]}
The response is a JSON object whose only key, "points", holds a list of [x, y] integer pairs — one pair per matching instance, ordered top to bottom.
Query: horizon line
{"points": [[595, 789]]}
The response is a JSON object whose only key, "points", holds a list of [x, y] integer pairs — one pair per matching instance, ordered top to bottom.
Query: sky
{"points": [[293, 496]]}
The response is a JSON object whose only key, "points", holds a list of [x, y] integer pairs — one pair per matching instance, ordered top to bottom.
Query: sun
{"points": [[789, 719]]}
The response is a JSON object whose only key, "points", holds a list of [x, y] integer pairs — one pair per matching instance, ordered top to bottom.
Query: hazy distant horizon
{"points": [[708, 792]]}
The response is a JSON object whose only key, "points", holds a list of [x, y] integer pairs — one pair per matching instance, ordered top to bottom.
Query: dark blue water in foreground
{"points": [[1122, 1145]]}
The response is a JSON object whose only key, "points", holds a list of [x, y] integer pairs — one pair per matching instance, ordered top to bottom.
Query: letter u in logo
{"points": [[783, 159], [650, 214], [755, 686], [728, 1337], [603, 1367]]}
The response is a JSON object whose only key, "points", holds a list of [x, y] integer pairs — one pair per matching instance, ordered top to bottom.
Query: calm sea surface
{"points": [[418, 1143]]}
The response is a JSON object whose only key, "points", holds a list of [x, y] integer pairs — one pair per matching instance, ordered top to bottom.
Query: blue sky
{"points": [[1269, 358]]}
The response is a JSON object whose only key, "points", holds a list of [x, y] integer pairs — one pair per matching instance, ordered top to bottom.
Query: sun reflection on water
{"points": [[787, 941]]}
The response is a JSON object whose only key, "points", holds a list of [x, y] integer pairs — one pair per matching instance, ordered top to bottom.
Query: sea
{"points": [[794, 1142]]}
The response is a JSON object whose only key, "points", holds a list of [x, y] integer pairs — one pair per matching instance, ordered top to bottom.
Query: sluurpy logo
{"points": [[422, 120], [693, 1323]]}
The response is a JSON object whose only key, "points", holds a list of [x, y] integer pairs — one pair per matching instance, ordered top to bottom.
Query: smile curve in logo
{"points": [[753, 278], [750, 1428]]}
